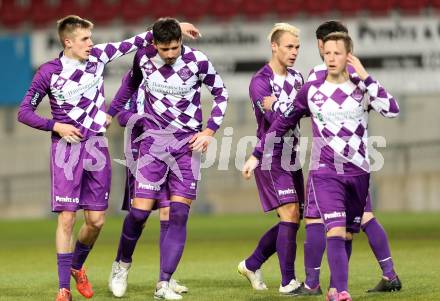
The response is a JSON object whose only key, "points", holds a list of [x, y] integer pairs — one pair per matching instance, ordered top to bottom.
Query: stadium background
{"points": [[398, 42]]}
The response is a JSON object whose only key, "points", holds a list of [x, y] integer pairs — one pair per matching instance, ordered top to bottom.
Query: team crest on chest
{"points": [[91, 67], [149, 68], [185, 73], [59, 83], [297, 85], [357, 94], [318, 98]]}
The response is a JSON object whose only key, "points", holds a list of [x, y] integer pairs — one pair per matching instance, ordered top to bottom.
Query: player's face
{"points": [[79, 44], [286, 50], [169, 52], [335, 57]]}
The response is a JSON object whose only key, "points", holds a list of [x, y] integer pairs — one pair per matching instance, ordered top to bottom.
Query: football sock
{"points": [[266, 247]]}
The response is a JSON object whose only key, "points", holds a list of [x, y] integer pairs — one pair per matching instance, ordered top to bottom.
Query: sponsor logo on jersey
{"points": [[35, 98], [289, 110], [149, 187], [286, 191], [66, 199], [335, 214]]}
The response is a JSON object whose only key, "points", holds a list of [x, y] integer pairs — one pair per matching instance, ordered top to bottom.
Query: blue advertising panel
{"points": [[17, 72]]}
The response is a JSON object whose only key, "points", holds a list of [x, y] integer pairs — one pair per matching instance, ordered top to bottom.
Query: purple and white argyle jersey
{"points": [[320, 71], [266, 83], [76, 88], [172, 92], [339, 122]]}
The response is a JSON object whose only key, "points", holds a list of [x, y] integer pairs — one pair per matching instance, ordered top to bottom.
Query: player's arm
{"points": [[107, 52], [214, 83], [129, 85], [261, 96], [380, 100], [130, 107], [26, 113], [278, 128]]}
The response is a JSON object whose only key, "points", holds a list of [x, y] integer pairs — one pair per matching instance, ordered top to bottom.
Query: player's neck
{"points": [[68, 54], [277, 68], [337, 78]]}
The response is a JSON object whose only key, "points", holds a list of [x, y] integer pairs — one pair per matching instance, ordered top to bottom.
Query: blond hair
{"points": [[67, 25], [280, 28]]}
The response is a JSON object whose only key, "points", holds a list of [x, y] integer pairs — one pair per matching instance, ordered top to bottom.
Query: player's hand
{"points": [[190, 30], [357, 65], [268, 101], [108, 120], [68, 132], [200, 141], [249, 167]]}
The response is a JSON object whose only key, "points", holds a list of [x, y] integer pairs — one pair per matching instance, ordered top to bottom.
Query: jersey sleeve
{"points": [[109, 51], [214, 83], [129, 85], [260, 88], [34, 95], [379, 99], [284, 122]]}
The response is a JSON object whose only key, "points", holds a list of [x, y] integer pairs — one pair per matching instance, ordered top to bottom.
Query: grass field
{"points": [[215, 246]]}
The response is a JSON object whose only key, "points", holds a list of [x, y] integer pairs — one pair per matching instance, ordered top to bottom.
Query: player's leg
{"points": [[330, 197], [66, 221], [131, 231], [88, 233], [378, 240], [314, 244], [173, 245], [286, 245]]}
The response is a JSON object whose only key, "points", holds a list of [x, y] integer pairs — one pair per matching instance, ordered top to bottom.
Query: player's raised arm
{"points": [[107, 52], [129, 85], [380, 100]]}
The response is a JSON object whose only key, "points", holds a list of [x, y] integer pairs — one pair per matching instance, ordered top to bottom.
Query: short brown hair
{"points": [[69, 24], [340, 36]]}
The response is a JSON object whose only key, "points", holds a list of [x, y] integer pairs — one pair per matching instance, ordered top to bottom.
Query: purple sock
{"points": [[131, 231], [163, 232], [378, 240], [174, 241], [266, 247], [314, 247], [348, 248], [286, 250], [118, 254], [80, 255], [64, 262], [338, 263]]}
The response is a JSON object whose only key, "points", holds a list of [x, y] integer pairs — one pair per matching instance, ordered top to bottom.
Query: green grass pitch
{"points": [[215, 246]]}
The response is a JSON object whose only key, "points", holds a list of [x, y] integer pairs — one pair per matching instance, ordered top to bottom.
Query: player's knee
{"points": [[164, 213], [289, 213], [366, 217], [66, 220], [309, 221], [96, 223], [337, 232]]}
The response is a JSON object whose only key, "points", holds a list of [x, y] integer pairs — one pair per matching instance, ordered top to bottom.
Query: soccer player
{"points": [[171, 75], [80, 163], [339, 174], [279, 189], [314, 245], [118, 277]]}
